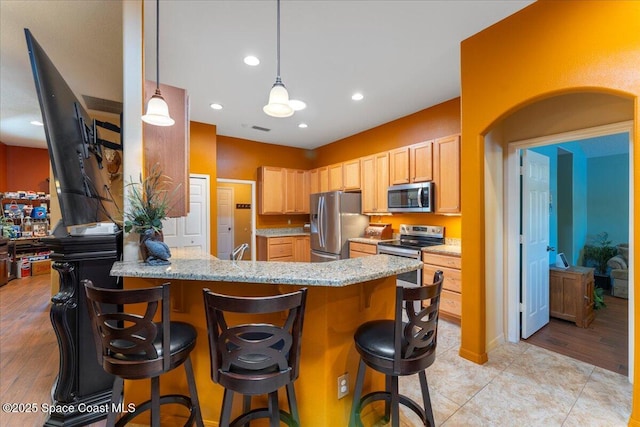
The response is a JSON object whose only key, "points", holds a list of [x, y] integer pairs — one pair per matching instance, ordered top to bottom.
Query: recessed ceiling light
{"points": [[251, 60], [357, 96], [297, 105], [216, 106], [36, 123], [303, 126]]}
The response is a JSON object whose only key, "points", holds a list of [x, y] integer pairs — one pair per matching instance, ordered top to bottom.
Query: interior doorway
{"points": [[237, 213], [512, 227]]}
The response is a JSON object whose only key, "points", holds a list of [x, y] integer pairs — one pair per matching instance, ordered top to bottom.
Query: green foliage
{"points": [[149, 202], [598, 252], [598, 298]]}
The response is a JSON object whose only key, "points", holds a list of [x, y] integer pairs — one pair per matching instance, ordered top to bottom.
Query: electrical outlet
{"points": [[343, 385]]}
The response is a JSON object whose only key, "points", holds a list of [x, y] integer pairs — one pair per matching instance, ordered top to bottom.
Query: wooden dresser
{"points": [[571, 294]]}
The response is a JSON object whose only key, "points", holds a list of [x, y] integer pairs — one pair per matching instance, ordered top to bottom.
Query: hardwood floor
{"points": [[605, 343]]}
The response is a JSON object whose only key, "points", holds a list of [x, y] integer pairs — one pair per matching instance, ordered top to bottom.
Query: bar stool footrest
{"points": [[386, 396], [166, 399], [258, 413]]}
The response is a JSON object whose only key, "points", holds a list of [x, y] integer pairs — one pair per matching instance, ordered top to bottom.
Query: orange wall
{"points": [[548, 48], [433, 122], [240, 158], [202, 160], [3, 167], [24, 168]]}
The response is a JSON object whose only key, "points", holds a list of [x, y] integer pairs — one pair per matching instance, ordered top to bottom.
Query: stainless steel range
{"points": [[412, 239]]}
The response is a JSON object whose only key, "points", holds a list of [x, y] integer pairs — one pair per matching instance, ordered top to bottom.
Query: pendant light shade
{"points": [[278, 105], [157, 109]]}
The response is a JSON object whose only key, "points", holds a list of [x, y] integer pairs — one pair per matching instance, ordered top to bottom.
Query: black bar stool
{"points": [[132, 346], [397, 347], [252, 355]]}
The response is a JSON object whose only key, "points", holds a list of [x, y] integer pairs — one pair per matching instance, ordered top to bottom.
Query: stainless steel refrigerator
{"points": [[335, 218]]}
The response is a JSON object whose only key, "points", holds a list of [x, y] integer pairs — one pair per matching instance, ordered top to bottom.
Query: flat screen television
{"points": [[74, 146]]}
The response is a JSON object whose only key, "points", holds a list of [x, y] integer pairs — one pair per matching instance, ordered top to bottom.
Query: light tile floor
{"points": [[520, 385]]}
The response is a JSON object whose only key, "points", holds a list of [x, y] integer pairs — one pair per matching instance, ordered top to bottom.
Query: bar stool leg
{"points": [[193, 391], [357, 394], [116, 397], [426, 399], [227, 400], [155, 402], [395, 402], [293, 403], [387, 403], [246, 405], [274, 410]]}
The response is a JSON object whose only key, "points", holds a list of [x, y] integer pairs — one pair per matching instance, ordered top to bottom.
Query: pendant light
{"points": [[278, 105], [157, 109]]}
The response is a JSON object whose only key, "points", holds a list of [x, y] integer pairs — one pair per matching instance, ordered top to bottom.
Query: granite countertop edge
{"points": [[281, 232], [370, 241], [454, 250], [329, 274]]}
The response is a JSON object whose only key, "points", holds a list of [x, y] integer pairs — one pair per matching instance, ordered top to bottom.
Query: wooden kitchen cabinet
{"points": [[421, 161], [399, 166], [446, 174], [351, 175], [335, 177], [323, 179], [314, 181], [375, 181], [271, 184], [282, 190], [296, 191], [284, 248], [302, 249], [357, 249], [571, 294], [451, 296]]}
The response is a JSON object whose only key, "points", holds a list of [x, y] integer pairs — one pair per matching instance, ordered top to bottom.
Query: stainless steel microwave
{"points": [[416, 197]]}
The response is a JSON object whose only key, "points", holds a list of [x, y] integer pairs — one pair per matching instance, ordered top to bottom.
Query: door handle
{"points": [[551, 249]]}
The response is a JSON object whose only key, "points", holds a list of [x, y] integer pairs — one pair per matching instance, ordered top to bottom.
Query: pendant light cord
{"points": [[278, 42], [157, 45]]}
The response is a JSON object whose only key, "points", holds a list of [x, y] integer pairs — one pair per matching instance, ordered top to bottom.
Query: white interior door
{"points": [[225, 222], [191, 232], [535, 246]]}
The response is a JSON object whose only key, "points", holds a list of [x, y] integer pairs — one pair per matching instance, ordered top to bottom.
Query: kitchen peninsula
{"points": [[341, 295]]}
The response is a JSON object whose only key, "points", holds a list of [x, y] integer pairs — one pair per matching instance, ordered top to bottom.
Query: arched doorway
{"points": [[555, 115]]}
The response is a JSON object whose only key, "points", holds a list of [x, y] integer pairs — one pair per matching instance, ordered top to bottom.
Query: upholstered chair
{"points": [[619, 265]]}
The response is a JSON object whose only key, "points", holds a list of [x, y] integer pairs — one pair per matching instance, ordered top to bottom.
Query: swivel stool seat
{"points": [[254, 344], [132, 346], [398, 347]]}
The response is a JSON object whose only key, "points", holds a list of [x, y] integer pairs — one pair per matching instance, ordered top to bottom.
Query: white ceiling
{"points": [[402, 55]]}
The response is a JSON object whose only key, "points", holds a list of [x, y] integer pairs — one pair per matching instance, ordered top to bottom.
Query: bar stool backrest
{"points": [[122, 336], [415, 340], [242, 349]]}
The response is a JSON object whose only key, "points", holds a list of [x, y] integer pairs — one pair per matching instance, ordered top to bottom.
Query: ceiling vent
{"points": [[99, 104], [260, 128]]}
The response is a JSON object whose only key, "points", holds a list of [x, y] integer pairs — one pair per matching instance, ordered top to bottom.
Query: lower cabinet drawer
{"points": [[363, 247], [281, 250], [452, 277], [451, 303]]}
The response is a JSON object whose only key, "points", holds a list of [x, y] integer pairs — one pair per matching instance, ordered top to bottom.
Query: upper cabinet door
{"points": [[168, 146], [421, 156], [446, 156], [399, 166], [351, 175], [314, 181], [271, 190]]}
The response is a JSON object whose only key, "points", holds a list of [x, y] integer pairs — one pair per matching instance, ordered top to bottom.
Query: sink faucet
{"points": [[238, 252]]}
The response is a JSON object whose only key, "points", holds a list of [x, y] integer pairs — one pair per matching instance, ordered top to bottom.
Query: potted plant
{"points": [[149, 202], [596, 254]]}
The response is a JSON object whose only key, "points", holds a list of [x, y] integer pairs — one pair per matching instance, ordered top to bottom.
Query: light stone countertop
{"points": [[281, 232], [369, 241], [455, 250], [189, 265]]}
